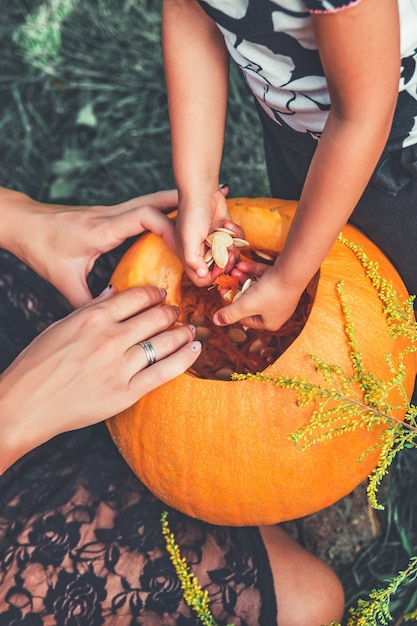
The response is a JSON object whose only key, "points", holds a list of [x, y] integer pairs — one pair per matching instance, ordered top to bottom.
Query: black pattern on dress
{"points": [[274, 44], [80, 535]]}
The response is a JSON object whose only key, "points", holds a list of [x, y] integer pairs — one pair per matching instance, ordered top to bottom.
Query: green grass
{"points": [[84, 120], [382, 559]]}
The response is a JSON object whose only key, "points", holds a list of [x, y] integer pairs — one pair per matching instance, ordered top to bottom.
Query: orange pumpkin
{"points": [[220, 450]]}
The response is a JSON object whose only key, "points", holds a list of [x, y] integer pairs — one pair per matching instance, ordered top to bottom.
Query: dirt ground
{"points": [[337, 534]]}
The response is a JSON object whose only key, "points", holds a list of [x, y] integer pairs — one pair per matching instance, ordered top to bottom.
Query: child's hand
{"points": [[197, 218], [267, 305]]}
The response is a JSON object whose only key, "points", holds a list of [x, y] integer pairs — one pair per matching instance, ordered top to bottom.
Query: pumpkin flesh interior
{"points": [[229, 349]]}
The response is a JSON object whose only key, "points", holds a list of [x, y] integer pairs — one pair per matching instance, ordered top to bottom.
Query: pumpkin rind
{"points": [[219, 450]]}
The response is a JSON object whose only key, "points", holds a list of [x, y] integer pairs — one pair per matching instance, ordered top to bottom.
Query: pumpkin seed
{"points": [[221, 229], [225, 238], [240, 243], [219, 252], [264, 255], [208, 258], [248, 282], [237, 296], [198, 320], [202, 332], [237, 335], [256, 346], [267, 354], [224, 373]]}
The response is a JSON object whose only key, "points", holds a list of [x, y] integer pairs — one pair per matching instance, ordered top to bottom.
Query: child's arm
{"points": [[359, 49], [196, 67]]}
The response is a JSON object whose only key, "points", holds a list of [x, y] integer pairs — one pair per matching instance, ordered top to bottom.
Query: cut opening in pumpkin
{"points": [[234, 348], [225, 452]]}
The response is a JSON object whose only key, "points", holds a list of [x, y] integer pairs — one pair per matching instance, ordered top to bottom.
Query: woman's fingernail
{"points": [[201, 272], [106, 290], [163, 293], [193, 328], [196, 346]]}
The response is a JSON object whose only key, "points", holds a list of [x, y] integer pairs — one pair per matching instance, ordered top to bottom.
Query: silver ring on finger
{"points": [[149, 352]]}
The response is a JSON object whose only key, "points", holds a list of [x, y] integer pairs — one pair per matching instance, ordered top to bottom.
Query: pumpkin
{"points": [[221, 450]]}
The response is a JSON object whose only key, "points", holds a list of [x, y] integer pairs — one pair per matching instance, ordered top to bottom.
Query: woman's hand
{"points": [[62, 243], [266, 305], [89, 366]]}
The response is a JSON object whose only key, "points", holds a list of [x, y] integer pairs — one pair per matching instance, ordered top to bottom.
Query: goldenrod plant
{"points": [[340, 409], [194, 596]]}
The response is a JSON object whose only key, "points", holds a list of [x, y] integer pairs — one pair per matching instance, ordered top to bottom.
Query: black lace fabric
{"points": [[80, 535]]}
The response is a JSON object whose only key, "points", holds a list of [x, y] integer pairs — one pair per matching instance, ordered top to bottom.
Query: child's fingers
{"points": [[239, 232], [193, 256], [252, 267], [198, 281], [252, 309], [230, 314]]}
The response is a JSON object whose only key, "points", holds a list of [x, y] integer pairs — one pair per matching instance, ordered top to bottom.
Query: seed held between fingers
{"points": [[218, 242], [219, 252]]}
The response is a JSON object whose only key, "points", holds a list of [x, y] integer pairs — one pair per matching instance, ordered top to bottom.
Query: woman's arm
{"points": [[359, 49], [196, 67], [61, 243], [90, 366]]}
